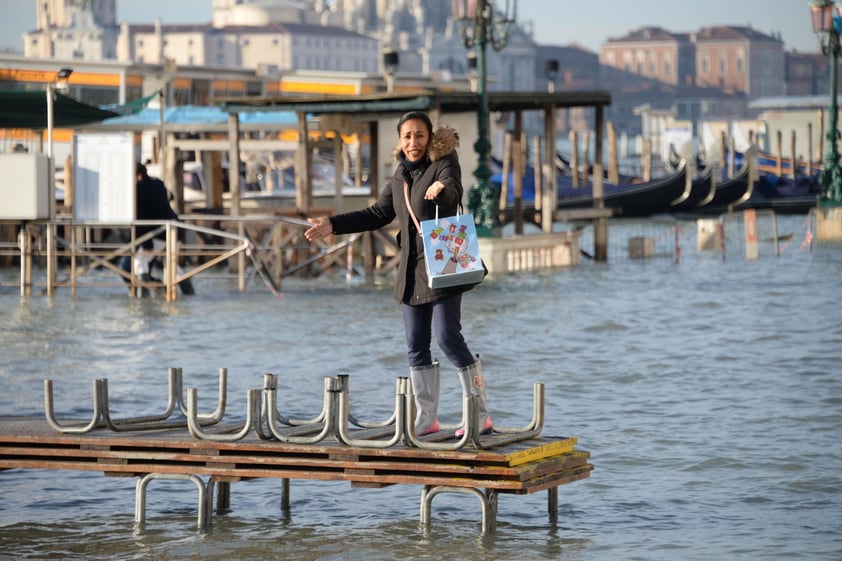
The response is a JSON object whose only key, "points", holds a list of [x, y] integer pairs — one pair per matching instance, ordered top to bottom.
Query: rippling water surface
{"points": [[709, 394]]}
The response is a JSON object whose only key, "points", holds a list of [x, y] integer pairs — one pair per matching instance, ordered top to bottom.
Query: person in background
{"points": [[428, 175], [152, 202]]}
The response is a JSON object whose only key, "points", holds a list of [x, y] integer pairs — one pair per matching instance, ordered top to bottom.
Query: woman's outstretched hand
{"points": [[433, 190], [321, 228]]}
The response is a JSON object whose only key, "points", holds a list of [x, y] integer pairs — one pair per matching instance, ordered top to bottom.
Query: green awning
{"points": [[134, 106], [28, 110]]}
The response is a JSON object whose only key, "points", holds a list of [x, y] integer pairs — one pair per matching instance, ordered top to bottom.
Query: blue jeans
{"points": [[445, 316]]}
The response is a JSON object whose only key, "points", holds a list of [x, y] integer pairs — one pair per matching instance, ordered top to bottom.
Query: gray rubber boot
{"points": [[473, 383], [425, 386]]}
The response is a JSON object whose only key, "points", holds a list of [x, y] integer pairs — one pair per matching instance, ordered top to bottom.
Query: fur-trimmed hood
{"points": [[445, 140]]}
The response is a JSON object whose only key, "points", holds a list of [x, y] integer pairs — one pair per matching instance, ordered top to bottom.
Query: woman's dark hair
{"points": [[416, 115]]}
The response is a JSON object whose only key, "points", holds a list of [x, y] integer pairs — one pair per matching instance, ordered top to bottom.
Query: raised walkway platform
{"points": [[523, 467]]}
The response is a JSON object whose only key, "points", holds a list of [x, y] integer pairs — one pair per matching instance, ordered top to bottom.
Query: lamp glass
{"points": [[464, 9], [822, 15], [390, 59]]}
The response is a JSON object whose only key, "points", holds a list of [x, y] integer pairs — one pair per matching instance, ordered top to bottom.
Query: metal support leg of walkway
{"points": [[205, 498], [488, 502]]}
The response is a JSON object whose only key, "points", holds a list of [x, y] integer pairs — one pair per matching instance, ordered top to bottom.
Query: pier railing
{"points": [[71, 254]]}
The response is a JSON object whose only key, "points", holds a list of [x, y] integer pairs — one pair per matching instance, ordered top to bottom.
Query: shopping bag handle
{"points": [[412, 214]]}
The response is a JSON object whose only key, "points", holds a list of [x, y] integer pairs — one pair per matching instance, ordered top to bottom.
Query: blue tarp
{"points": [[200, 115]]}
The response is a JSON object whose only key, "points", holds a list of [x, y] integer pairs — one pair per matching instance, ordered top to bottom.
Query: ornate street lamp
{"points": [[827, 23], [481, 25], [390, 67], [472, 70], [551, 72]]}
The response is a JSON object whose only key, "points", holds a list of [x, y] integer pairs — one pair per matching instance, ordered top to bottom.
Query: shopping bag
{"points": [[451, 251]]}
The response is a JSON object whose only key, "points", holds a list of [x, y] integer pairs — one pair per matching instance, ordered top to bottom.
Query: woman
{"points": [[428, 170]]}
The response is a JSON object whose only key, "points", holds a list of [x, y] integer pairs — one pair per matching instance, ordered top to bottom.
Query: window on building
{"points": [[723, 64], [668, 68]]}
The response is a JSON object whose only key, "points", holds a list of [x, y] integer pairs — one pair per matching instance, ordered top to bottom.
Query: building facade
{"points": [[281, 35], [652, 52], [740, 60], [713, 73]]}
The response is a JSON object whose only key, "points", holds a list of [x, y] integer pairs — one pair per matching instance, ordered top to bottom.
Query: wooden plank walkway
{"points": [[529, 466]]}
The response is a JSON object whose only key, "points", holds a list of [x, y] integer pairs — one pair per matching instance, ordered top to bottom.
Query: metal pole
{"points": [[51, 166], [831, 178], [481, 198]]}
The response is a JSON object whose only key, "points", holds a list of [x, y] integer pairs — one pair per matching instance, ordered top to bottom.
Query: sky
{"points": [[587, 23]]}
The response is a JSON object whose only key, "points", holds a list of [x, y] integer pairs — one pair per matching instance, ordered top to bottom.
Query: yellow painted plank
{"points": [[533, 452]]}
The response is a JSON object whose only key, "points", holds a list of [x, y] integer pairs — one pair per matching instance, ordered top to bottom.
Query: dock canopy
{"points": [[446, 102], [28, 110], [198, 115]]}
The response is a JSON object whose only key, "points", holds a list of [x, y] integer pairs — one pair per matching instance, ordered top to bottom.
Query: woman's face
{"points": [[414, 138]]}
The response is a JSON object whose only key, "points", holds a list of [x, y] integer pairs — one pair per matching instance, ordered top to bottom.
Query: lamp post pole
{"points": [[827, 23], [478, 31], [58, 83], [50, 119], [51, 166], [831, 178], [482, 196]]}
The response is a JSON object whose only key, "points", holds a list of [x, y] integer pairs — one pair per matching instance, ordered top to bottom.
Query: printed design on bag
{"points": [[451, 251], [454, 252]]}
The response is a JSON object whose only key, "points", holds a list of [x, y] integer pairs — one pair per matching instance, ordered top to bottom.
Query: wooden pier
{"points": [[542, 463]]}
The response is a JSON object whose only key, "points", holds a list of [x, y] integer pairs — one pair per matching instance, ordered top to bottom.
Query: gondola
{"points": [[702, 190], [784, 194], [628, 199]]}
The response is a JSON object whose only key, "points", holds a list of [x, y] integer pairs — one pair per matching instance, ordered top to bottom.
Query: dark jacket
{"points": [[442, 165], [152, 202]]}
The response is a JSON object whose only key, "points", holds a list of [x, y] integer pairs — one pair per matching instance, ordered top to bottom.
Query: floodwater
{"points": [[708, 391]]}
